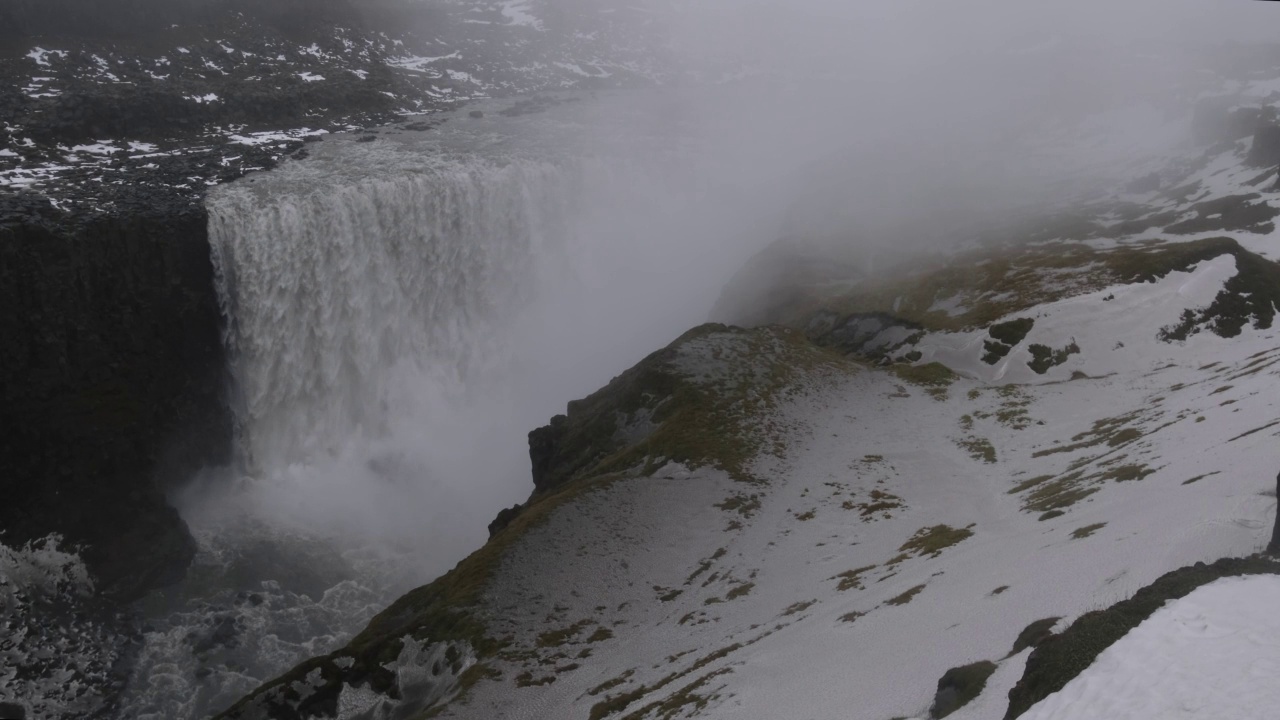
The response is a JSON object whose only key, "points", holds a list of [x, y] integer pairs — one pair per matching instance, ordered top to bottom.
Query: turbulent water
{"points": [[400, 314]]}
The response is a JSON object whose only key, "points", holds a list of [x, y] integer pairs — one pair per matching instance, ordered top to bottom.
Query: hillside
{"points": [[886, 478]]}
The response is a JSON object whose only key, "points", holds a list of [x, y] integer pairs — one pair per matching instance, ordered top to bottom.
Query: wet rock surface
{"points": [[114, 382]]}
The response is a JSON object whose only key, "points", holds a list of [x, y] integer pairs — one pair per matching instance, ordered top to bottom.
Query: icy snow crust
{"points": [[792, 641], [1212, 654]]}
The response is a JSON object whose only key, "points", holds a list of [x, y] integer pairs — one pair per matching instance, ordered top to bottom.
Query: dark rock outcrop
{"points": [[113, 378]]}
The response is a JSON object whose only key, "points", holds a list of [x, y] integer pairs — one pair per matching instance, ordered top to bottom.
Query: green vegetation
{"points": [[1248, 297], [1004, 337], [1044, 357], [932, 375], [1106, 430], [978, 448], [1127, 473], [1028, 484], [1061, 492], [881, 502], [744, 505], [1051, 515], [1087, 530], [932, 541], [705, 565], [852, 579], [740, 591], [905, 597], [798, 607], [1034, 634], [556, 638], [1057, 662], [526, 679], [959, 686]]}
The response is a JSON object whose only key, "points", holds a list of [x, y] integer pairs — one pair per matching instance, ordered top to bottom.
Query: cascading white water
{"points": [[347, 305], [400, 315]]}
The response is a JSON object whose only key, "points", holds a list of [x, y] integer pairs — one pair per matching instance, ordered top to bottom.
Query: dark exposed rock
{"points": [[113, 377], [12, 711]]}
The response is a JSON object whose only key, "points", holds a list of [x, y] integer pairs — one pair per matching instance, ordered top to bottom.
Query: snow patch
{"points": [[1212, 654]]}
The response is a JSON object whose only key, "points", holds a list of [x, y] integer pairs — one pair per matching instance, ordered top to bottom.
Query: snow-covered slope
{"points": [[908, 473], [892, 522]]}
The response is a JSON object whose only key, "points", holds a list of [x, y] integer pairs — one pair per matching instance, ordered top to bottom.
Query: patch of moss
{"points": [[1004, 337], [1044, 357], [935, 375], [978, 448], [1127, 473], [1028, 484], [1061, 492], [881, 502], [744, 505], [1051, 515], [1086, 531], [933, 540], [852, 579], [740, 591], [905, 597], [798, 607], [851, 616], [601, 634], [1034, 634], [556, 638], [1062, 657], [526, 679], [959, 686]]}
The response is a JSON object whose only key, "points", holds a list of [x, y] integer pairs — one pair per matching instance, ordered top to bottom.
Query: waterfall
{"points": [[345, 304], [400, 314]]}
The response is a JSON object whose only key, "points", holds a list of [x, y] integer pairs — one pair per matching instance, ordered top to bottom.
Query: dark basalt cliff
{"points": [[112, 373]]}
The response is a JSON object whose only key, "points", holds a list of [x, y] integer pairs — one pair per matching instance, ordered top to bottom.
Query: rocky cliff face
{"points": [[113, 379]]}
